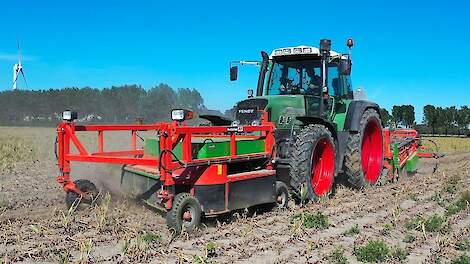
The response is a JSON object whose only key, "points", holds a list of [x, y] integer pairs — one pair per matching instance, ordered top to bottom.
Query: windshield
{"points": [[300, 77]]}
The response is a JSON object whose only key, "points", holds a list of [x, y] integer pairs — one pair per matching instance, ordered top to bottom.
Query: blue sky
{"points": [[404, 53]]}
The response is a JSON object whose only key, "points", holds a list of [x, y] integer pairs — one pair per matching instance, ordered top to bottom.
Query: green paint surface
{"points": [[341, 111], [208, 147], [412, 163]]}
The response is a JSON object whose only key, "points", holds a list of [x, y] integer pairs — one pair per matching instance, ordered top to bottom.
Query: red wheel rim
{"points": [[372, 152], [323, 167]]}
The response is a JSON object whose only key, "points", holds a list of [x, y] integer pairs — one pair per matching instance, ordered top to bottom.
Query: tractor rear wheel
{"points": [[363, 159], [312, 163], [73, 199], [185, 213]]}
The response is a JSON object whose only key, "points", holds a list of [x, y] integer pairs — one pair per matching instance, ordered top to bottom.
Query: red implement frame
{"points": [[169, 135]]}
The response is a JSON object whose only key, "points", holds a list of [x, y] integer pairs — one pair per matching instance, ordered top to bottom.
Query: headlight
{"points": [[68, 115], [180, 115]]}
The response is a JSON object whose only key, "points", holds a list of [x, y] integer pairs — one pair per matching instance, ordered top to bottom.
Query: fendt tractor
{"points": [[320, 129], [300, 130]]}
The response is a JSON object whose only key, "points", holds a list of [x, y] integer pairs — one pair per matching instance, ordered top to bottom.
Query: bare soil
{"points": [[36, 227]]}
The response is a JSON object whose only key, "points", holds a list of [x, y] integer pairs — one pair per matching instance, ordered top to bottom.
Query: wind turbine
{"points": [[18, 69]]}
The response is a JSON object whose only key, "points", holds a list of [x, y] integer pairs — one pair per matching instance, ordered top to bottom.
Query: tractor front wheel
{"points": [[363, 159], [312, 163], [77, 201], [185, 213]]}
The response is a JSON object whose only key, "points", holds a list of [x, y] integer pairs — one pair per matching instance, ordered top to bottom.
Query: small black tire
{"points": [[309, 148], [353, 167], [282, 195], [73, 199], [183, 203]]}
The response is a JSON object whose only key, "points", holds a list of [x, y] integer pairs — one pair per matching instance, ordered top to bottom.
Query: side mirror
{"points": [[344, 67], [233, 73]]}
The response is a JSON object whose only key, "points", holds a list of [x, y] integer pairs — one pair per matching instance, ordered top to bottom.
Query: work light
{"points": [[68, 115], [180, 115]]}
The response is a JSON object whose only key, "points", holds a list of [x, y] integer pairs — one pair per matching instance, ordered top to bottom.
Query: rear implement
{"points": [[185, 170]]}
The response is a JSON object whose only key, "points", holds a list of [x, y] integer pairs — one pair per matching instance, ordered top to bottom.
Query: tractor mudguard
{"points": [[355, 111]]}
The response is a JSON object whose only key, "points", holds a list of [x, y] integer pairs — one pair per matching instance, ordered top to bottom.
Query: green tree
{"points": [[397, 114], [408, 115], [385, 116], [430, 117]]}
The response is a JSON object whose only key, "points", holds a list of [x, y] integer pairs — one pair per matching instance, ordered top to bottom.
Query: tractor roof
{"points": [[299, 50]]}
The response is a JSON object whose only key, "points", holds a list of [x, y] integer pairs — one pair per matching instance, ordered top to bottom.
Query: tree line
{"points": [[129, 103], [118, 104], [436, 120]]}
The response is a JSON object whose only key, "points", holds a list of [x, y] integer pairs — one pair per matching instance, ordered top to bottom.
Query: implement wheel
{"points": [[363, 159], [312, 163], [282, 195], [73, 199], [185, 214]]}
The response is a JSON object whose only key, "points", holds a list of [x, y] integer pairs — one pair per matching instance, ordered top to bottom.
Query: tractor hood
{"points": [[282, 109]]}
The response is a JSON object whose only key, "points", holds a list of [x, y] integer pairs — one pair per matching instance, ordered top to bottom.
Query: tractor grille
{"points": [[248, 110]]}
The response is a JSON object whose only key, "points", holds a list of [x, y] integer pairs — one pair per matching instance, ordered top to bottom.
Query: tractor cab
{"points": [[301, 81]]}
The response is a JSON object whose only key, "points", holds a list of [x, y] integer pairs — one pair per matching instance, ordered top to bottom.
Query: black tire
{"points": [[352, 159], [301, 162], [282, 195], [74, 199], [184, 202]]}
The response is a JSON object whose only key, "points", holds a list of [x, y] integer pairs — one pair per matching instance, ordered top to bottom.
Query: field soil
{"points": [[35, 225]]}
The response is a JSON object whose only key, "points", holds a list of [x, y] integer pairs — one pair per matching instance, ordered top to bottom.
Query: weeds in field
{"points": [[451, 184], [414, 197], [439, 199], [459, 205], [101, 211], [395, 215], [67, 217], [311, 221], [431, 224], [37, 228], [386, 229], [354, 230], [409, 238], [463, 245], [85, 246], [135, 247], [211, 249], [374, 251], [209, 252], [399, 254], [336, 256], [64, 257], [463, 259]]}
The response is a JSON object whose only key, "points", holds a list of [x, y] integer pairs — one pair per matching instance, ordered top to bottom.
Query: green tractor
{"points": [[321, 130]]}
